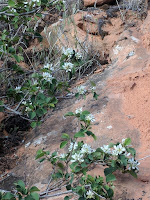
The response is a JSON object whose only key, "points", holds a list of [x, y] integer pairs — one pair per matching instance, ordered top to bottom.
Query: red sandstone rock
{"points": [[97, 2]]}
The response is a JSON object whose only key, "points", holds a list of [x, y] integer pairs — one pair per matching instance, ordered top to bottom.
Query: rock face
{"points": [[97, 2], [122, 109]]}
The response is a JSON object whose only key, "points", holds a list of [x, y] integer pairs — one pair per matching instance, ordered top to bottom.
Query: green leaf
{"points": [[11, 3], [18, 58], [77, 95], [95, 95], [40, 112], [85, 112], [69, 114], [32, 115], [33, 124], [89, 133], [79, 134], [65, 136], [94, 137], [127, 141], [63, 144], [111, 145], [131, 150], [40, 153], [123, 159], [41, 160], [60, 165], [83, 165], [72, 166], [77, 169], [109, 170], [133, 174], [58, 175], [110, 177], [21, 184], [34, 189], [8, 196], [35, 196], [66, 198]]}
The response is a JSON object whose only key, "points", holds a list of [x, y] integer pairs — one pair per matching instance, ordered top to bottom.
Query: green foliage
{"points": [[73, 166], [22, 193]]}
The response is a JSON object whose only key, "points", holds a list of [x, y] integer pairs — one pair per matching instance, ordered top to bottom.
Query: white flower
{"points": [[13, 10], [68, 52], [78, 56], [48, 66], [68, 66], [47, 76], [35, 82], [18, 88], [93, 88], [81, 89], [24, 102], [28, 109], [78, 111], [90, 118], [73, 146], [86, 149], [106, 149], [119, 149], [127, 154], [63, 155], [77, 157], [133, 164], [90, 195]]}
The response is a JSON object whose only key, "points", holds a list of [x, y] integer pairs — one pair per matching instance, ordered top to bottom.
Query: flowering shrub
{"points": [[38, 91], [72, 167]]}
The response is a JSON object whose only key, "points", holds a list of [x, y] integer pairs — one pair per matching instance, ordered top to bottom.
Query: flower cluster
{"points": [[68, 52], [78, 56], [68, 66], [49, 67], [47, 76], [81, 89], [28, 109], [78, 111], [90, 118], [73, 146], [87, 149], [106, 149], [120, 149], [117, 150], [80, 155], [77, 157], [133, 164], [90, 195]]}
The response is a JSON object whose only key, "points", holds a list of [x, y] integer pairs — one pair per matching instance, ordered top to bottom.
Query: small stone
{"points": [[109, 127]]}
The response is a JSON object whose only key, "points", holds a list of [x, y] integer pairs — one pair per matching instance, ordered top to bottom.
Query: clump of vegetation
{"points": [[70, 169]]}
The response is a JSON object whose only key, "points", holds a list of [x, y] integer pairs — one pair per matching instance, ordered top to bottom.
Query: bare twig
{"points": [[21, 14], [123, 19], [143, 158], [57, 194]]}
